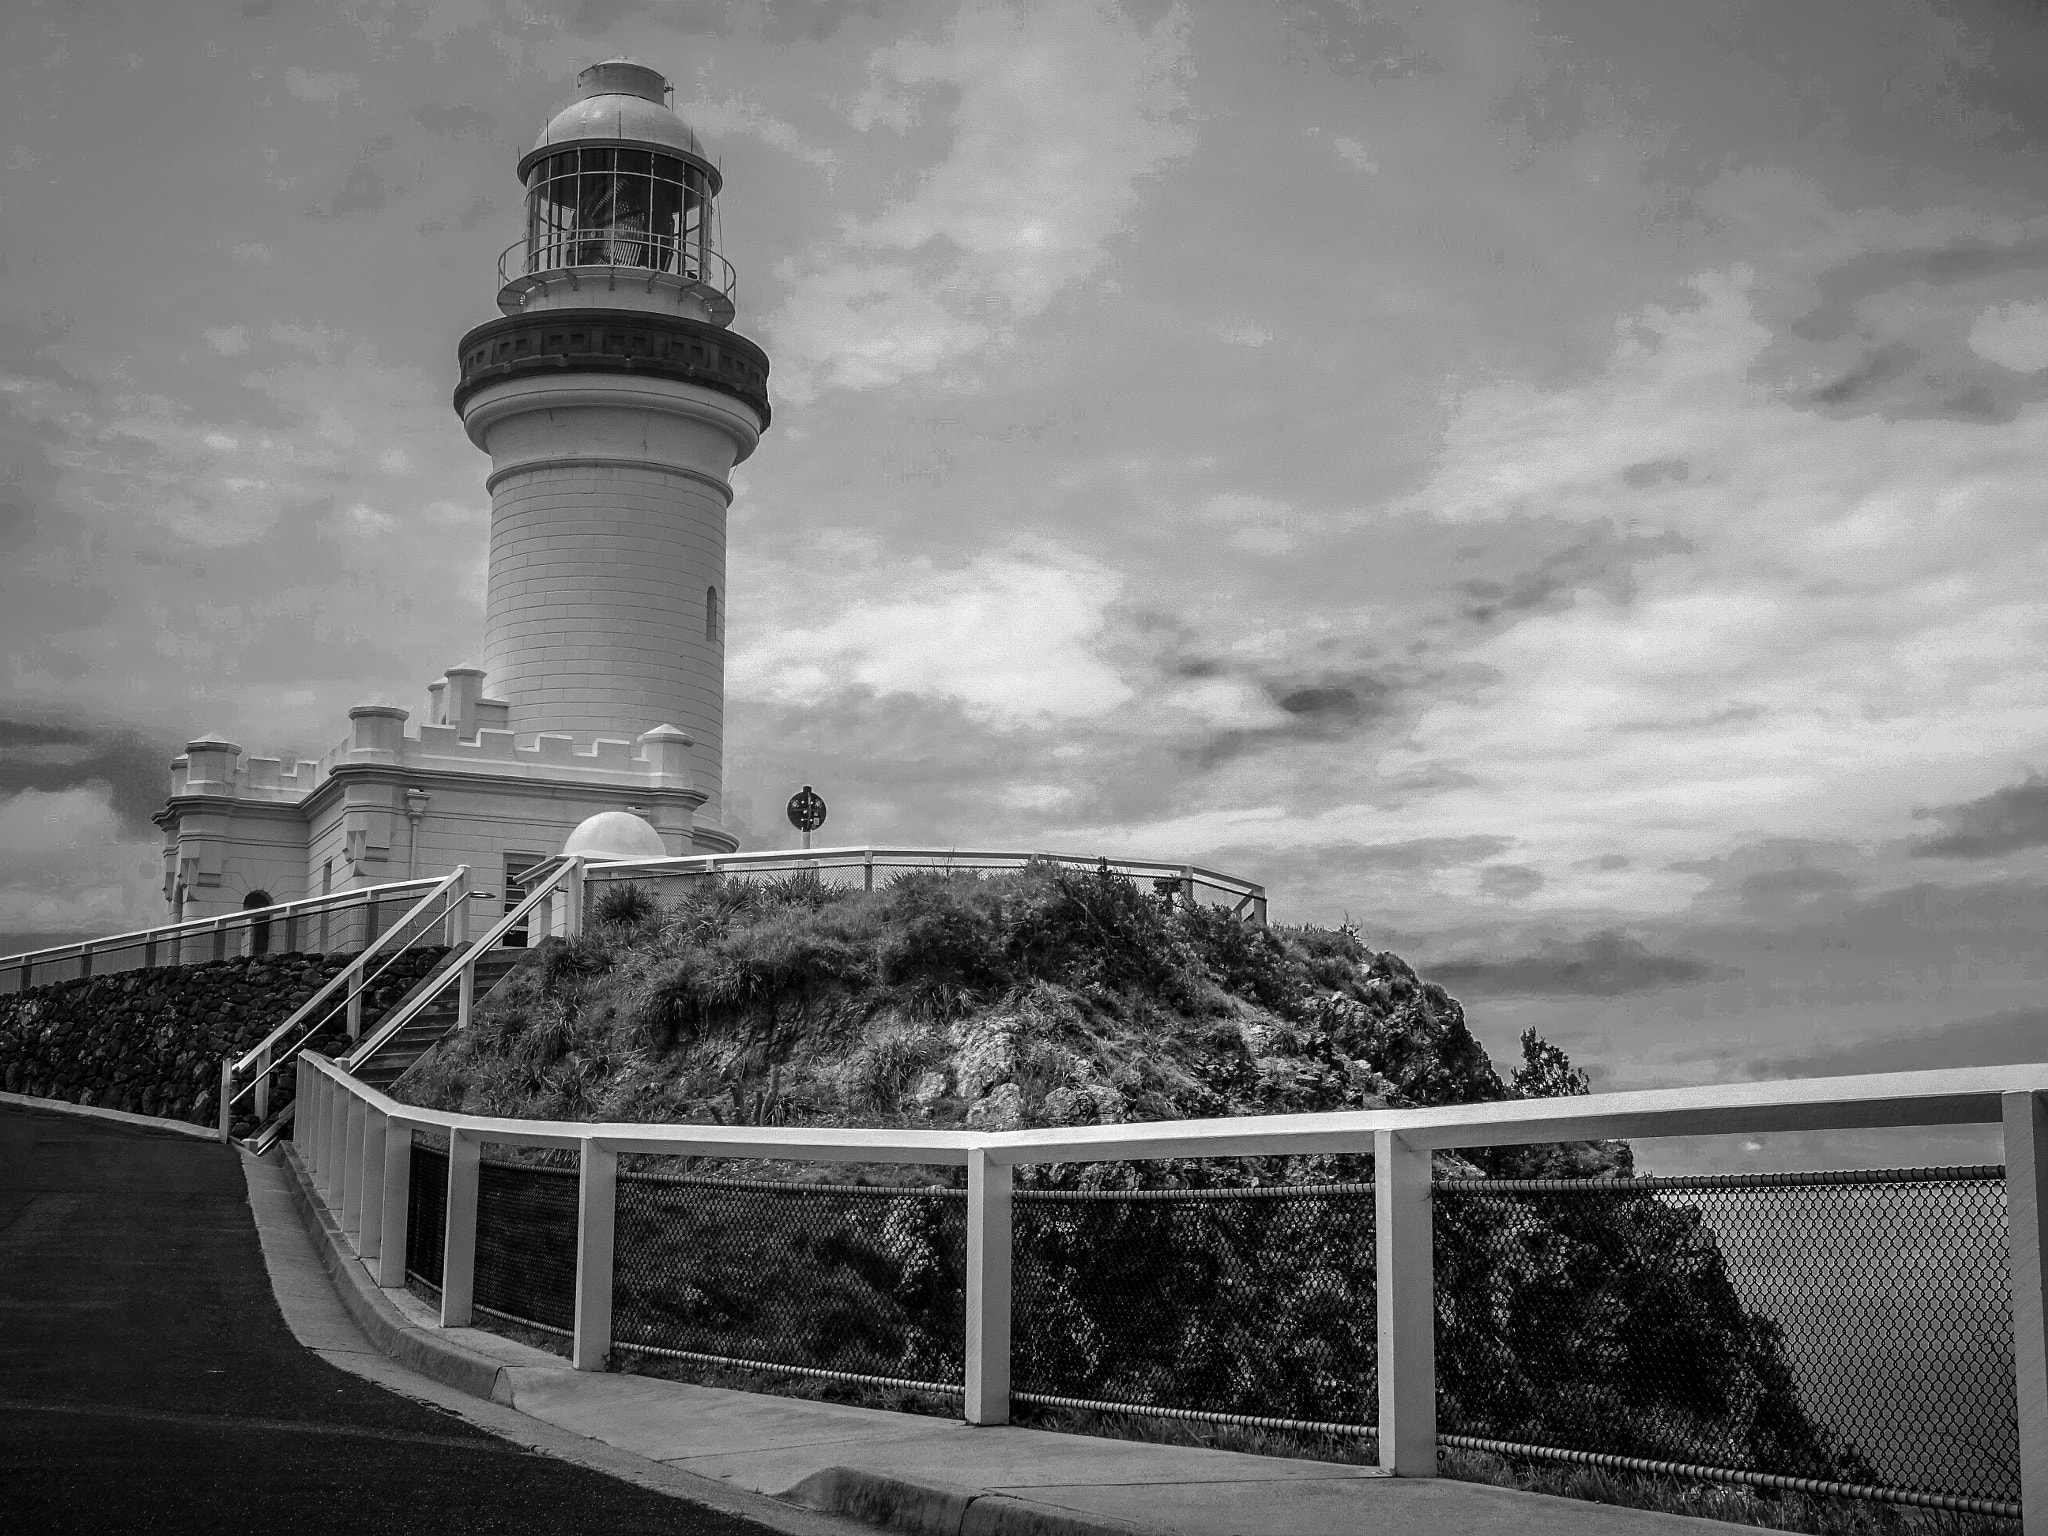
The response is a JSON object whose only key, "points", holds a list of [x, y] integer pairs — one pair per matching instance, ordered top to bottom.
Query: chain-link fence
{"points": [[426, 1215], [526, 1244], [851, 1282], [1249, 1306], [1844, 1328], [1850, 1332]]}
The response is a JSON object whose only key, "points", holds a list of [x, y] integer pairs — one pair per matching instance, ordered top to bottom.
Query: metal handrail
{"points": [[668, 255], [1251, 895], [335, 900], [464, 973], [349, 979]]}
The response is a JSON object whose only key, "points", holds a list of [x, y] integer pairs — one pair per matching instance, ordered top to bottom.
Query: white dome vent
{"points": [[615, 835]]}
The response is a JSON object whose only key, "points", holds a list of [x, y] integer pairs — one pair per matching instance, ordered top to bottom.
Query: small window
{"points": [[711, 614], [259, 930]]}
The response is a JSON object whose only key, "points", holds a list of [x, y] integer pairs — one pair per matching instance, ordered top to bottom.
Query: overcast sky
{"points": [[1559, 484]]}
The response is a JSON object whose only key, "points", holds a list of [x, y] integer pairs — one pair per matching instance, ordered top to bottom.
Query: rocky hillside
{"points": [[1044, 997], [151, 1042]]}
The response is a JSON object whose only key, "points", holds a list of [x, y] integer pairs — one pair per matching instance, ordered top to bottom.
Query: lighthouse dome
{"points": [[620, 102]]}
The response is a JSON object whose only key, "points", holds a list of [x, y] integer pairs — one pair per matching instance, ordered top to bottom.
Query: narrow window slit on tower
{"points": [[711, 613]]}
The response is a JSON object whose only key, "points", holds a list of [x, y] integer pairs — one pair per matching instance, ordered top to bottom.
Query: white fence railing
{"points": [[864, 864], [332, 924], [357, 1145]]}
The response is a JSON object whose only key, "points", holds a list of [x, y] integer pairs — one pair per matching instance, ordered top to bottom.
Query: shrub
{"points": [[625, 906]]}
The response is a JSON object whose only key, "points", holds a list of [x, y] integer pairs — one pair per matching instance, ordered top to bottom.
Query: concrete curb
{"points": [[118, 1116], [394, 1335], [895, 1504], [921, 1509]]}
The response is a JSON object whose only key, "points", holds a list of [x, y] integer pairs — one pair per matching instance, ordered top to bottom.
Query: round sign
{"points": [[806, 810]]}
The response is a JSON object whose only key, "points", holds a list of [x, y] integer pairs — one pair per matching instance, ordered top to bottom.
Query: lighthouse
{"points": [[614, 399]]}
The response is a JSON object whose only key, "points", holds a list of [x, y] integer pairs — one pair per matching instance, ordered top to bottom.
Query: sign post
{"points": [[806, 812]]}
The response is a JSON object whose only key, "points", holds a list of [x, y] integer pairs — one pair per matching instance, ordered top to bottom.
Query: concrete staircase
{"points": [[396, 1056]]}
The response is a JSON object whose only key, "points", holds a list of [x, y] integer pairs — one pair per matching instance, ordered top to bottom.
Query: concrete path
{"points": [[149, 1383], [936, 1477]]}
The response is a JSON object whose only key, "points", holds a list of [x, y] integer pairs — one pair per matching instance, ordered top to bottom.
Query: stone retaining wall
{"points": [[151, 1042]]}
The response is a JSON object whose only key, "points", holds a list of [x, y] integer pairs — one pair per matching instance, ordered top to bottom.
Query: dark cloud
{"points": [[593, 18], [812, 21], [1351, 40], [454, 121], [364, 191], [1847, 286], [1902, 361], [1879, 366], [1655, 472], [1604, 562], [1327, 708], [48, 753], [2004, 821], [1510, 882], [1606, 964], [1993, 1040]]}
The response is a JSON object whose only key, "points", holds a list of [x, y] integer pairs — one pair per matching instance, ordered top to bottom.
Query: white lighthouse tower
{"points": [[614, 402]]}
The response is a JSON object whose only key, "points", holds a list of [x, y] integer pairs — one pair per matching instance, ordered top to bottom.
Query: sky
{"points": [[1555, 483]]}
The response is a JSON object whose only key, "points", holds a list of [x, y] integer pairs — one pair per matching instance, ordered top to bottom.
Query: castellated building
{"points": [[613, 401]]}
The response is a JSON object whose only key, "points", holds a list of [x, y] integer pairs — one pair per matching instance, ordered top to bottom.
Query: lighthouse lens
{"points": [[613, 207]]}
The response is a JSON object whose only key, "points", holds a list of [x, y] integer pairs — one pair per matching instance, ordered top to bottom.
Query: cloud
{"points": [[324, 85], [1060, 111], [730, 115], [454, 120], [1355, 154], [364, 191], [2012, 335], [227, 340], [1012, 638], [53, 755], [2004, 821], [72, 869], [1605, 964], [2008, 1038]]}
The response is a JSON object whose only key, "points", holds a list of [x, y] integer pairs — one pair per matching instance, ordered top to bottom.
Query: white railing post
{"points": [[572, 899], [458, 912], [465, 990], [355, 999], [227, 1094], [262, 1095], [302, 1112], [316, 1131], [352, 1131], [334, 1145], [397, 1206], [596, 1213], [370, 1215], [2026, 1216], [458, 1248], [988, 1289], [1407, 1306]]}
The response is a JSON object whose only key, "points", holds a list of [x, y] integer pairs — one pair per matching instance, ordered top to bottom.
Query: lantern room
{"points": [[621, 207]]}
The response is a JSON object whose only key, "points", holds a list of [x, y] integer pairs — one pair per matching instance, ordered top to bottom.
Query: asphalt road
{"points": [[148, 1382]]}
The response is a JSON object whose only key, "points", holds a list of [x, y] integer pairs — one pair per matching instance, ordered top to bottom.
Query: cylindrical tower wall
{"points": [[608, 507], [596, 618]]}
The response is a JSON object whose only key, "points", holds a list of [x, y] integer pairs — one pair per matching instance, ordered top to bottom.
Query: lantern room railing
{"points": [[663, 255]]}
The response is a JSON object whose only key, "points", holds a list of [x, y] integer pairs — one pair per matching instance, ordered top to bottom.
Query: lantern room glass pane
{"points": [[615, 207]]}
